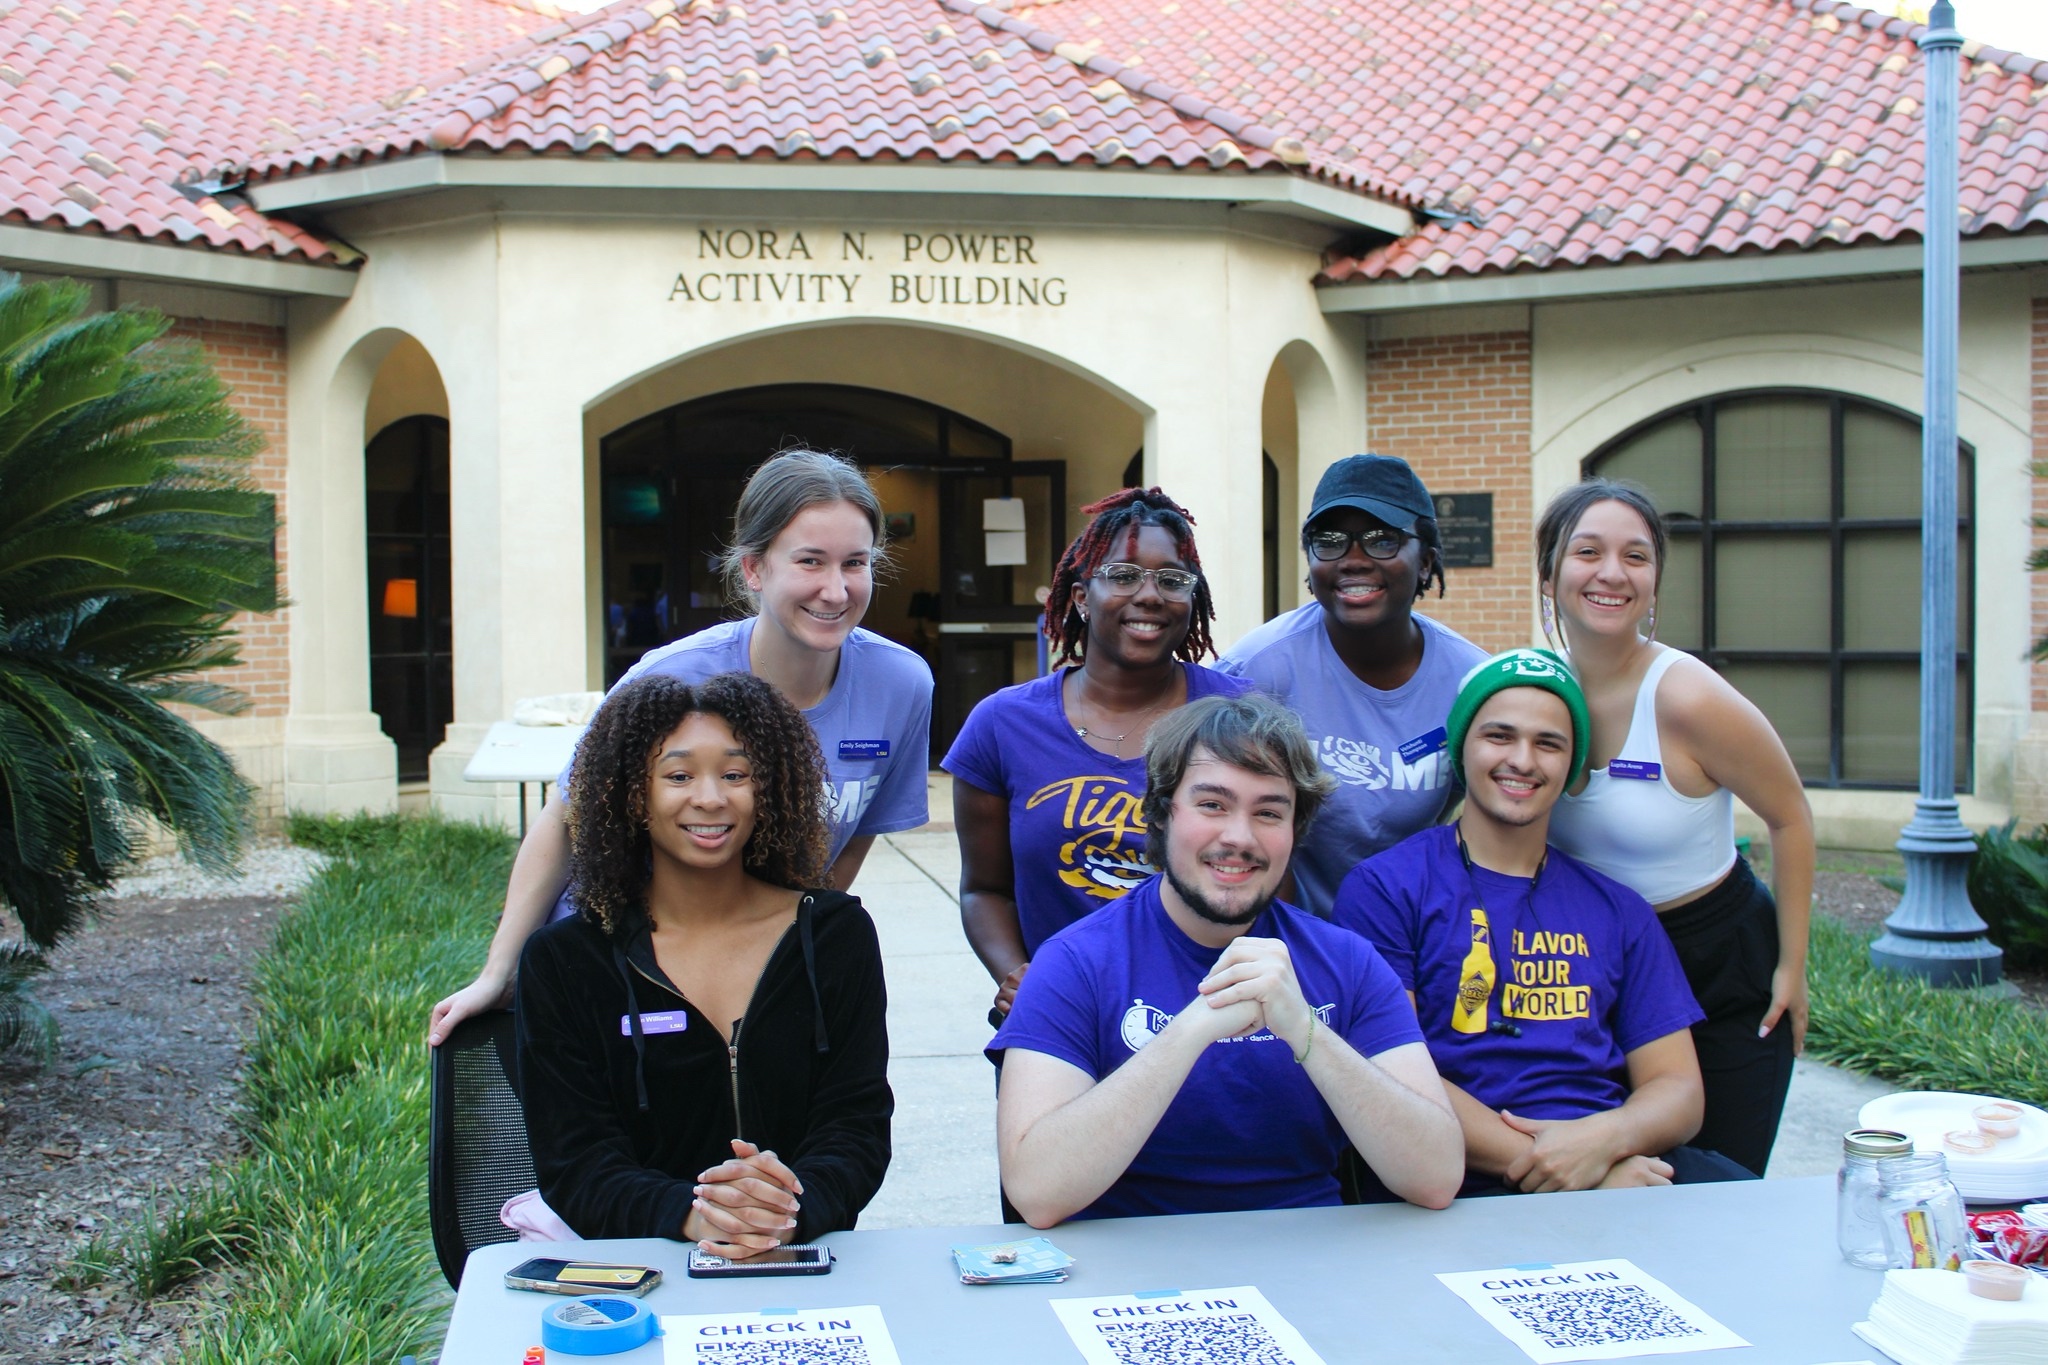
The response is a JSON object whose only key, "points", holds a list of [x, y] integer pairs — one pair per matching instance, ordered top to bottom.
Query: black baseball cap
{"points": [[1383, 485]]}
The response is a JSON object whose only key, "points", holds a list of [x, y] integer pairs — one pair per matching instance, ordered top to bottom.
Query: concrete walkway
{"points": [[944, 1172]]}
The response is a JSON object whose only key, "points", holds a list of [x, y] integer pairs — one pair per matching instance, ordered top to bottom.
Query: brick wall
{"points": [[251, 358], [1457, 409], [2040, 580]]}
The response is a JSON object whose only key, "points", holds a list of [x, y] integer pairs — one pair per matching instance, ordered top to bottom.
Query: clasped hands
{"points": [[1252, 986], [1576, 1154], [744, 1206]]}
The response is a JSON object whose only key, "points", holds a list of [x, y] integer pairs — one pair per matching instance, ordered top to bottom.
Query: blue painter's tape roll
{"points": [[598, 1326]]}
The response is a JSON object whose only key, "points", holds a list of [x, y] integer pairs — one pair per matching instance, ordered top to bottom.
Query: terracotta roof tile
{"points": [[866, 79], [119, 109], [1765, 124]]}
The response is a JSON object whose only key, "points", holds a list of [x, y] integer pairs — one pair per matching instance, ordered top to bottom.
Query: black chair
{"points": [[477, 1156]]}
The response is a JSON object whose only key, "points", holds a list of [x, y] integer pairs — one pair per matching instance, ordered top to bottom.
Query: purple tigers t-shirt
{"points": [[1077, 827], [1581, 968], [1248, 1129]]}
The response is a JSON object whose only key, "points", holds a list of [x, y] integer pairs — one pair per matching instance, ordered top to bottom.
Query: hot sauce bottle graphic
{"points": [[1475, 978]]}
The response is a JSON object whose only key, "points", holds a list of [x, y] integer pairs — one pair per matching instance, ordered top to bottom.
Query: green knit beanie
{"points": [[1517, 668]]}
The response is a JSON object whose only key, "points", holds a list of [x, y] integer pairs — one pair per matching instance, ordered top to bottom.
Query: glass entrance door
{"points": [[1003, 529]]}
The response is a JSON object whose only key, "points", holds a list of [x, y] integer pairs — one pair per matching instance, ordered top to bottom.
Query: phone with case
{"points": [[799, 1260], [546, 1275]]}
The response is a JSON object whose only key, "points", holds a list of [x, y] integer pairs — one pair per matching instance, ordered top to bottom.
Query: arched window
{"points": [[1795, 569], [412, 679]]}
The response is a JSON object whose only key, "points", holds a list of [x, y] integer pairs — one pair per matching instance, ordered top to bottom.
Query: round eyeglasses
{"points": [[1378, 543], [1175, 585]]}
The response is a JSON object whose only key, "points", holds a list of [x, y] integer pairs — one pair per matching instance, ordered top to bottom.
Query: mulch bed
{"points": [[153, 1001]]}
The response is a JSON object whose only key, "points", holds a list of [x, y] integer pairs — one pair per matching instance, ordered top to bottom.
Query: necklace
{"points": [[1116, 741]]}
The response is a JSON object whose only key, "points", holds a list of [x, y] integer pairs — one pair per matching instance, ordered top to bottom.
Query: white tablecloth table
{"points": [[1358, 1283]]}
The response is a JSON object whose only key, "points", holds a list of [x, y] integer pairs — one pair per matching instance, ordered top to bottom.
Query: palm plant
{"points": [[129, 536]]}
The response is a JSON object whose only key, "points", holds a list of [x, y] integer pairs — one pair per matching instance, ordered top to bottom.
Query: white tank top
{"points": [[1633, 825]]}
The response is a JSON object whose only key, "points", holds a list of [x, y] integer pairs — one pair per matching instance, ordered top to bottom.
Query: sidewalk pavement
{"points": [[944, 1171]]}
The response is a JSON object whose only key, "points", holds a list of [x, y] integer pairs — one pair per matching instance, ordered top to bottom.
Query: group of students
{"points": [[1356, 913]]}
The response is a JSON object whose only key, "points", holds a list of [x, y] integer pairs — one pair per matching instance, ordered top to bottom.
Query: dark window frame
{"points": [[1706, 527]]}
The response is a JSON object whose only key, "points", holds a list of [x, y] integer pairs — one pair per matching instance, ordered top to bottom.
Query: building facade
{"points": [[519, 297]]}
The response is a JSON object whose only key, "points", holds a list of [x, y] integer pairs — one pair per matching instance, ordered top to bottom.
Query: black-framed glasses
{"points": [[1378, 543], [1175, 585]]}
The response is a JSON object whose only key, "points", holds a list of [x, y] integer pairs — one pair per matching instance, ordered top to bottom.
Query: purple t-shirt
{"points": [[874, 726], [1386, 749], [1077, 825], [1581, 968], [1248, 1129]]}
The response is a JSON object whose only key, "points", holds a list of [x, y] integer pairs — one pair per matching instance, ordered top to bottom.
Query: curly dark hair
{"points": [[1117, 519], [609, 849]]}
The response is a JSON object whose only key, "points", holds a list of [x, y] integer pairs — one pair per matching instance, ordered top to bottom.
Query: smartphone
{"points": [[781, 1261], [548, 1276]]}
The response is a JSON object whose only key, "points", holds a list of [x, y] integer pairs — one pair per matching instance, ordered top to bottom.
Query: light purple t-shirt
{"points": [[874, 726], [1386, 749], [1077, 825], [1248, 1129]]}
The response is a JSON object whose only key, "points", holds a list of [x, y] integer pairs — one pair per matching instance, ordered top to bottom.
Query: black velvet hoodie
{"points": [[621, 1126]]}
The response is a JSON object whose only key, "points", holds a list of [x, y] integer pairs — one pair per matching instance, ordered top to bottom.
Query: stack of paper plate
{"points": [[2010, 1173]]}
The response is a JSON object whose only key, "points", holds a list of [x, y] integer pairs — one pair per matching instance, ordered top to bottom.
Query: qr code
{"points": [[1597, 1316], [1239, 1339], [844, 1350]]}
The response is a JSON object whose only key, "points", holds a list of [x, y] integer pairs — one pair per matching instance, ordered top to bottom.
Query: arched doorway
{"points": [[405, 513], [961, 590]]}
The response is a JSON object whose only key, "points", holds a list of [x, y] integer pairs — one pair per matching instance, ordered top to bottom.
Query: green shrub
{"points": [[2009, 887], [1922, 1037], [324, 1225]]}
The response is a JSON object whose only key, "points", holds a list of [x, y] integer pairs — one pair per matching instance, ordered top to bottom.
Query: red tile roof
{"points": [[898, 80], [113, 109], [1588, 131], [1536, 132]]}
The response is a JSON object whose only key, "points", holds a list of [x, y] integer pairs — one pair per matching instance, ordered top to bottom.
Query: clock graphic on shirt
{"points": [[1141, 1023]]}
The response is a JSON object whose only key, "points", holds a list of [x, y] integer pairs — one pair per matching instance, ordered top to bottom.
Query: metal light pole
{"points": [[1935, 934]]}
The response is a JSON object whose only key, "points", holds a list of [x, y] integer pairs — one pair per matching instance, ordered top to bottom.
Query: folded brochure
{"points": [[1032, 1260]]}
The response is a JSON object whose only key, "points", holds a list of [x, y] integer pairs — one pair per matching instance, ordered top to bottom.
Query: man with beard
{"points": [[1552, 999], [1199, 1046]]}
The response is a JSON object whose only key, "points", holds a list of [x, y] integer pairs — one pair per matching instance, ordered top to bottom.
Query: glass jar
{"points": [[1921, 1213], [1857, 1230]]}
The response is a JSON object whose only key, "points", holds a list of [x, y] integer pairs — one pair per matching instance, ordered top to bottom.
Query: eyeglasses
{"points": [[1378, 543], [1175, 585]]}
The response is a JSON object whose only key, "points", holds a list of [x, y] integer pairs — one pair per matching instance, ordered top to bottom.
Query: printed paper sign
{"points": [[1588, 1310], [1183, 1324], [812, 1336]]}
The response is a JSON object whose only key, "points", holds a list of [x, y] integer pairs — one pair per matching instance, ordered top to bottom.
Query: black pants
{"points": [[1727, 940]]}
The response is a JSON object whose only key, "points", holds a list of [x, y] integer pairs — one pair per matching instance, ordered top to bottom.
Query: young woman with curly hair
{"points": [[807, 538], [1371, 677], [1049, 776], [702, 1050]]}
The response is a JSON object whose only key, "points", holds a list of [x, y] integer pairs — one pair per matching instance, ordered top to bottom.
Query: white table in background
{"points": [[523, 754], [1758, 1256]]}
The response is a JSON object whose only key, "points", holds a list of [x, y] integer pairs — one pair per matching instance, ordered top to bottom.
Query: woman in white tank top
{"points": [[1674, 745]]}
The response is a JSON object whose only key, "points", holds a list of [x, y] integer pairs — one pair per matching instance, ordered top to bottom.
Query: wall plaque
{"points": [[1464, 522]]}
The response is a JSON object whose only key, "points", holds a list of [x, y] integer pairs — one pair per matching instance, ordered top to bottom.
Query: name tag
{"points": [[1424, 744], [865, 749], [1635, 768], [672, 1021]]}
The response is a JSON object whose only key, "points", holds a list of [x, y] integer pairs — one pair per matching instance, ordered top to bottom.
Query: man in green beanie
{"points": [[1551, 999]]}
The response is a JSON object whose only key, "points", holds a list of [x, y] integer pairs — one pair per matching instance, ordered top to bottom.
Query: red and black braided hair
{"points": [[1112, 534]]}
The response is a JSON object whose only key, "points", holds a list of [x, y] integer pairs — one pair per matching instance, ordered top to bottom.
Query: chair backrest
{"points": [[477, 1156]]}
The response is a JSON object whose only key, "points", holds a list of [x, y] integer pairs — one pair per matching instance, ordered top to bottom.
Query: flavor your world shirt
{"points": [[874, 726], [1385, 748], [1077, 827], [1581, 968], [1248, 1129]]}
